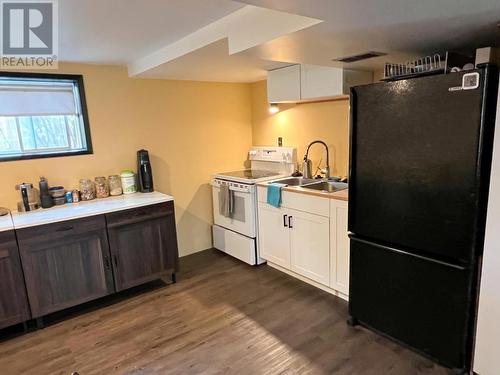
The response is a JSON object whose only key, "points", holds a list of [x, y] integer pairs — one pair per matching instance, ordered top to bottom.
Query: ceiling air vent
{"points": [[361, 56]]}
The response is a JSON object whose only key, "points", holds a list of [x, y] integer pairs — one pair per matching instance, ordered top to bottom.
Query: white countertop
{"points": [[342, 195], [71, 211], [6, 223]]}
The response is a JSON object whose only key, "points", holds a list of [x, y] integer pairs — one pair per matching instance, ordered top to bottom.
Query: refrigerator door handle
{"points": [[456, 266]]}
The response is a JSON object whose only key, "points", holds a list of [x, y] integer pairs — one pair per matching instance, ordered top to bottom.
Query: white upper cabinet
{"points": [[320, 81], [302, 83], [283, 85]]}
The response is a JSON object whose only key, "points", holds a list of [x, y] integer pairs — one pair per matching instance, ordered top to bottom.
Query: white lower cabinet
{"points": [[274, 237], [311, 244], [339, 247]]}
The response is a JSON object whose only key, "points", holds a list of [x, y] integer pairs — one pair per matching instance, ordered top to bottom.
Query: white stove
{"points": [[236, 232]]}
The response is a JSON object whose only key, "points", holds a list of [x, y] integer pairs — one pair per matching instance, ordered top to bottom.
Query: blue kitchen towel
{"points": [[274, 194]]}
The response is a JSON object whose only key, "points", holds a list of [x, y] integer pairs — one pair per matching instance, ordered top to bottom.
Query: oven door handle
{"points": [[231, 188], [231, 201]]}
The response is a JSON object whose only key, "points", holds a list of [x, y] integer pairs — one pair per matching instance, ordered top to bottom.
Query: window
{"points": [[42, 115]]}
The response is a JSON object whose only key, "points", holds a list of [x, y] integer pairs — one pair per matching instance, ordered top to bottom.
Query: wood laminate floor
{"points": [[222, 317]]}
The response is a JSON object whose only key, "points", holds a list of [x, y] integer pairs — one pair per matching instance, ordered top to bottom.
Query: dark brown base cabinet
{"points": [[143, 244], [75, 261], [65, 263], [13, 303]]}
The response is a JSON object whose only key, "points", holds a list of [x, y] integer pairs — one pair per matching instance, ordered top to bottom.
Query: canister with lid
{"points": [[128, 182], [115, 185], [101, 187], [86, 189]]}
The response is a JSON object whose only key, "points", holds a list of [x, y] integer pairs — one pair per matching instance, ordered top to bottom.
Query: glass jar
{"points": [[128, 182], [115, 185], [101, 187], [87, 192]]}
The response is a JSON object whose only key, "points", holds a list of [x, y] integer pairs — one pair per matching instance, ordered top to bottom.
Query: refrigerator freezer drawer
{"points": [[420, 302]]}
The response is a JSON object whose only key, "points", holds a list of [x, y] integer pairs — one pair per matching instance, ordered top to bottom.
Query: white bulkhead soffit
{"points": [[231, 35]]}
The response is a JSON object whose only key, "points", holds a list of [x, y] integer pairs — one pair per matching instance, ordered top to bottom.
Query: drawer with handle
{"points": [[136, 215], [50, 232]]}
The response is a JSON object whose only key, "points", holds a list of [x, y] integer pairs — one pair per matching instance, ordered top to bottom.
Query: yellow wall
{"points": [[302, 123], [191, 129]]}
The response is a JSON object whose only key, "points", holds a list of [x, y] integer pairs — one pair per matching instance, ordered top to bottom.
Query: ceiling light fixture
{"points": [[273, 108]]}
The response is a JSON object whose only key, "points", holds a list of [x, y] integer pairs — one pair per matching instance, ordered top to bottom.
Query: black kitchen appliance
{"points": [[144, 172], [419, 176], [45, 197]]}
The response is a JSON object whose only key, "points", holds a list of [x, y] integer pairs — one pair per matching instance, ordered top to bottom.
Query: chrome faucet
{"points": [[307, 172]]}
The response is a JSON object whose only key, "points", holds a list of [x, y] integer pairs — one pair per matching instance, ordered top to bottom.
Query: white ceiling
{"points": [[401, 28], [120, 31], [240, 31], [222, 40], [213, 63]]}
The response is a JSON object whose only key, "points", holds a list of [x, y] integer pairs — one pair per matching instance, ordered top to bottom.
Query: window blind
{"points": [[20, 99]]}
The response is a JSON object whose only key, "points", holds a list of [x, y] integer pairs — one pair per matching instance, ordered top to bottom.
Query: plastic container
{"points": [[128, 182], [115, 185], [101, 187], [57, 191], [87, 191], [59, 201]]}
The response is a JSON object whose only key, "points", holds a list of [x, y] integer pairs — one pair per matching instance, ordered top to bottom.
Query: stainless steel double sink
{"points": [[313, 184]]}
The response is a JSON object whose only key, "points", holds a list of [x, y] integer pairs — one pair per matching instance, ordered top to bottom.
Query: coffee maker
{"points": [[144, 172], [30, 197]]}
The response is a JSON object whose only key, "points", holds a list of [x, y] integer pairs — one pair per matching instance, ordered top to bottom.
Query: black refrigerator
{"points": [[419, 175]]}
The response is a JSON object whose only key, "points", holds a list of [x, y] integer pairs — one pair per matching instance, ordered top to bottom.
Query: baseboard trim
{"points": [[309, 281]]}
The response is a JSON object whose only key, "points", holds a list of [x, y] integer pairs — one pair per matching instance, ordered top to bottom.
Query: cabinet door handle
{"points": [[284, 221], [290, 222], [64, 229], [115, 259], [106, 262]]}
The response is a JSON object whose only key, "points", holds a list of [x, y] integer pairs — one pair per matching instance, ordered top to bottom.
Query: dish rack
{"points": [[432, 64]]}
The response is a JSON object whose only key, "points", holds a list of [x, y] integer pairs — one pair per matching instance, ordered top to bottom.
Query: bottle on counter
{"points": [[128, 182], [115, 185], [101, 187], [87, 191], [75, 195], [45, 197], [69, 197]]}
